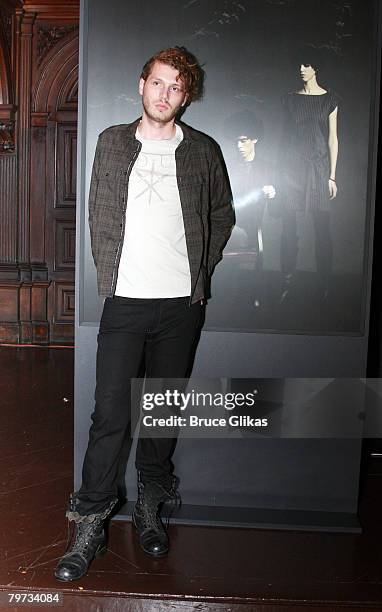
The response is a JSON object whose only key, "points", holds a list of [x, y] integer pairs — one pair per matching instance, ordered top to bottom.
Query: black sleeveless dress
{"points": [[304, 161]]}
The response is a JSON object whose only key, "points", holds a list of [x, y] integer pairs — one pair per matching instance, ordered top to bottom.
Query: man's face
{"points": [[162, 94], [246, 147]]}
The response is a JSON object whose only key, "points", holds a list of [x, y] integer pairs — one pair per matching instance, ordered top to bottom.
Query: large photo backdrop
{"points": [[251, 56], [295, 261]]}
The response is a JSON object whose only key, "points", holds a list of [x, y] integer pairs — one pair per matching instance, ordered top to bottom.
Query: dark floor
{"points": [[207, 568]]}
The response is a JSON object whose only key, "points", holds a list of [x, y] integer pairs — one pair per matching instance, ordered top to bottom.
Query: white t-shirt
{"points": [[154, 261]]}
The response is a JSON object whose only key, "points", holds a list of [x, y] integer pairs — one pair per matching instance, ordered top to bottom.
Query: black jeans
{"points": [[162, 333]]}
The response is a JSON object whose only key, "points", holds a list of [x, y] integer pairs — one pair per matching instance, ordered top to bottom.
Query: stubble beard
{"points": [[159, 116]]}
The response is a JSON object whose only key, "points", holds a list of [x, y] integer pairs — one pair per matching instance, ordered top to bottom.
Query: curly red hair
{"points": [[185, 63]]}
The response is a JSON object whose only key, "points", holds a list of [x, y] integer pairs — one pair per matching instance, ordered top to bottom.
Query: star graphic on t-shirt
{"points": [[151, 178]]}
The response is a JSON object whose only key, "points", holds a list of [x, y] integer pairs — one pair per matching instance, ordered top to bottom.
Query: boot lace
{"points": [[154, 494], [175, 500], [175, 505], [84, 534]]}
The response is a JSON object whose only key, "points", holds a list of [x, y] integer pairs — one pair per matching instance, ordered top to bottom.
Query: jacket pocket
{"points": [[110, 188], [193, 190]]}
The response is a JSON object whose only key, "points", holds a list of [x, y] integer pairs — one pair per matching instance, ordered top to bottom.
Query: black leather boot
{"points": [[153, 536], [88, 541]]}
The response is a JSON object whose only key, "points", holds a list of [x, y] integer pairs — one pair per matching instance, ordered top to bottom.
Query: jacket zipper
{"points": [[119, 250]]}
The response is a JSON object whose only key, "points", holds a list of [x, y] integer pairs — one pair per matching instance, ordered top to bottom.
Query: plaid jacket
{"points": [[205, 198]]}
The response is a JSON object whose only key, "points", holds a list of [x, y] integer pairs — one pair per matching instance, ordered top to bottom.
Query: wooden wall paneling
{"points": [[38, 89], [55, 92], [24, 119], [8, 160], [66, 166], [37, 193], [50, 194], [8, 211], [50, 220], [60, 225], [61, 228], [65, 249], [39, 270], [9, 273], [9, 285], [64, 300], [9, 301], [25, 313], [40, 323], [9, 333]]}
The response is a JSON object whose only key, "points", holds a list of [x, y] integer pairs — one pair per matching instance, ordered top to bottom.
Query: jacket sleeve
{"points": [[93, 197], [222, 216]]}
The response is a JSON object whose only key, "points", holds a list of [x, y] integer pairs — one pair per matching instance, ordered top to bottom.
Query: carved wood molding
{"points": [[54, 10], [49, 35], [58, 77], [68, 96], [39, 119], [7, 128], [7, 136], [8, 210], [8, 272]]}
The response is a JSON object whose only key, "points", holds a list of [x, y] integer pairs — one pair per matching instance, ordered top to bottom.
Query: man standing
{"points": [[160, 214]]}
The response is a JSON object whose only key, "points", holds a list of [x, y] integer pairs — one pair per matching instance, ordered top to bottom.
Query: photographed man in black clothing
{"points": [[251, 179], [160, 214]]}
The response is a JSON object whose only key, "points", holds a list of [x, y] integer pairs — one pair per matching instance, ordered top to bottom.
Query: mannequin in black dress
{"points": [[308, 171]]}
